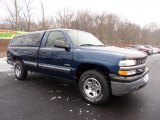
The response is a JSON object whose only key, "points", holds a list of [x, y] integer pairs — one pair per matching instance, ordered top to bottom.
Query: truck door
{"points": [[53, 60]]}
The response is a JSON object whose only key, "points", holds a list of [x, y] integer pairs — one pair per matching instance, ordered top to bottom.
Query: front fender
{"points": [[111, 67]]}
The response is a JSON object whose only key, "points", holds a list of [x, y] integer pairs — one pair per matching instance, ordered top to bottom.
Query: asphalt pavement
{"points": [[41, 97]]}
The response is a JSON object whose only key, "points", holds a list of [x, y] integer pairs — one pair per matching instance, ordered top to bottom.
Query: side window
{"points": [[55, 35], [32, 39], [29, 40], [17, 41]]}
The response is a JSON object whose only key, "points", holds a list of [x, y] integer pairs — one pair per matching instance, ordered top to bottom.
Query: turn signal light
{"points": [[122, 72], [125, 73]]}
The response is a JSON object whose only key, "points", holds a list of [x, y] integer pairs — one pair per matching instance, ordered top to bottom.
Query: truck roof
{"points": [[42, 31]]}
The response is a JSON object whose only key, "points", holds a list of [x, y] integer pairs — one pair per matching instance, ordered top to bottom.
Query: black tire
{"points": [[22, 71], [99, 79]]}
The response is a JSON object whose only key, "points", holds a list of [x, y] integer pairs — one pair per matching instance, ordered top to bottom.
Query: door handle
{"points": [[44, 52]]}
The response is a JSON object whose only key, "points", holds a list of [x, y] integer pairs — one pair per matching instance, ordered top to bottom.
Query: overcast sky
{"points": [[141, 12]]}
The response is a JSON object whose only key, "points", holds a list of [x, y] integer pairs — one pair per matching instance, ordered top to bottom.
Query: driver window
{"points": [[54, 35]]}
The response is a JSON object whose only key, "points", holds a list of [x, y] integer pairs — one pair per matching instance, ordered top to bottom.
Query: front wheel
{"points": [[19, 71], [94, 87]]}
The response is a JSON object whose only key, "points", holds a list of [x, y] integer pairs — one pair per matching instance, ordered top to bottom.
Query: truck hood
{"points": [[126, 53]]}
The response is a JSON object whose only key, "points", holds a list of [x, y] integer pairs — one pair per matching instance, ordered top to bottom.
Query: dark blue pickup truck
{"points": [[98, 70]]}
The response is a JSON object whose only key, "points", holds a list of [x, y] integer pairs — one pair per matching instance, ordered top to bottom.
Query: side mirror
{"points": [[61, 44]]}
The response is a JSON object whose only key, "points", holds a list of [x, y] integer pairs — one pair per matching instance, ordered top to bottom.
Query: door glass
{"points": [[55, 35]]}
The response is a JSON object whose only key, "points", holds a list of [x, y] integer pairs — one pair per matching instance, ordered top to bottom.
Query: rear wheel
{"points": [[19, 71], [94, 87]]}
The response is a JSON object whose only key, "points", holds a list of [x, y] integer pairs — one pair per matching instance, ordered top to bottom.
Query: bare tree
{"points": [[14, 11], [19, 13], [27, 13], [64, 19], [43, 23], [109, 28]]}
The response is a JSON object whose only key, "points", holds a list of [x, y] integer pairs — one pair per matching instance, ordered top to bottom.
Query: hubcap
{"points": [[18, 70], [92, 87]]}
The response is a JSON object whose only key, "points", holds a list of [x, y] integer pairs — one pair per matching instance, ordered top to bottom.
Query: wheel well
{"points": [[16, 59], [84, 67]]}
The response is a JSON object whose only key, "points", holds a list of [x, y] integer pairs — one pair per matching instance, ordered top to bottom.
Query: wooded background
{"points": [[109, 28]]}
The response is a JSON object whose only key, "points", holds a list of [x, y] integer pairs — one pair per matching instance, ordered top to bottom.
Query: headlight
{"points": [[127, 63], [126, 73]]}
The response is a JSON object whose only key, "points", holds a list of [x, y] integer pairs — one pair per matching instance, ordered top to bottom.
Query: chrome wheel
{"points": [[18, 70], [92, 88]]}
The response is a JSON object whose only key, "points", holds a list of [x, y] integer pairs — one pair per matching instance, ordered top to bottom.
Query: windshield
{"points": [[80, 38]]}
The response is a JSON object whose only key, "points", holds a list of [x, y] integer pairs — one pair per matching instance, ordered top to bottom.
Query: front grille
{"points": [[141, 61], [140, 70]]}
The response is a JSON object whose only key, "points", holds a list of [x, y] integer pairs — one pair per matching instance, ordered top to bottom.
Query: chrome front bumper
{"points": [[122, 88]]}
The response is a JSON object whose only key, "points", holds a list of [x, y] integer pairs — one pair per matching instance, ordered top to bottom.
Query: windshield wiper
{"points": [[87, 45], [92, 45], [100, 45]]}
